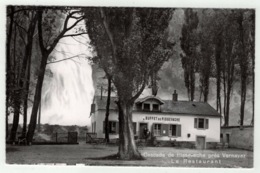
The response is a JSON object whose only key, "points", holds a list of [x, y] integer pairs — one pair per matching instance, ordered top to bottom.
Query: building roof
{"points": [[141, 100], [168, 106]]}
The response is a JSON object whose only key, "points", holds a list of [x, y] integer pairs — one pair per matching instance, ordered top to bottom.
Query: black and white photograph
{"points": [[129, 86]]}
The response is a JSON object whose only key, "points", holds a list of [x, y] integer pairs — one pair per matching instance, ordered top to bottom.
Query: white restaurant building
{"points": [[168, 120]]}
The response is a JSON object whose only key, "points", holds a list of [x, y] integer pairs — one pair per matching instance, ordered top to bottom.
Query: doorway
{"points": [[142, 126], [227, 138], [201, 142]]}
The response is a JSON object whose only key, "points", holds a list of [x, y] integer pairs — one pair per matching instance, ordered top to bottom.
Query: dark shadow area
{"points": [[8, 150], [112, 157]]}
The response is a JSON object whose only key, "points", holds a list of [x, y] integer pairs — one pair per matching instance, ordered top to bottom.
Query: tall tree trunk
{"points": [[252, 49], [218, 51], [45, 54], [243, 62], [8, 66], [22, 74], [187, 81], [192, 84], [27, 86], [253, 88], [206, 90], [201, 91], [225, 97], [37, 99], [242, 104], [227, 106], [107, 108], [16, 117], [39, 117], [6, 128], [127, 146]]}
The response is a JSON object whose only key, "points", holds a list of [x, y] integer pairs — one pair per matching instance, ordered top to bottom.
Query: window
{"points": [[146, 107], [155, 107], [201, 123], [112, 127], [157, 130], [173, 130]]}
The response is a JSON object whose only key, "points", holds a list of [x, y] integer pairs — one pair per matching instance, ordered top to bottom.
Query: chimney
{"points": [[175, 96]]}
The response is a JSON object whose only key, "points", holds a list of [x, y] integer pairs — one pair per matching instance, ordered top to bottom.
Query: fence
{"points": [[90, 137], [52, 138], [59, 138]]}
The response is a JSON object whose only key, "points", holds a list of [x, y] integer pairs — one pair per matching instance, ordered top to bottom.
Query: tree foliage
{"points": [[189, 43], [131, 44], [223, 49]]}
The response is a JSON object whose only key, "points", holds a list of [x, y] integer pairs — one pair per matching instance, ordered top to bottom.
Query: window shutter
{"points": [[195, 122], [206, 123], [104, 126], [134, 126], [117, 127], [152, 129], [170, 129], [164, 130], [179, 130]]}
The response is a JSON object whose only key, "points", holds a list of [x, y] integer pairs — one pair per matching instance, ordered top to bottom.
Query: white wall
{"points": [[212, 134], [239, 138]]}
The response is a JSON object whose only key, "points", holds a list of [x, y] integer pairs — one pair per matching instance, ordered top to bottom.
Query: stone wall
{"points": [[238, 138]]}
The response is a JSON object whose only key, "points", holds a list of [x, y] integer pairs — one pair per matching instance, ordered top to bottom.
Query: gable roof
{"points": [[141, 100], [168, 106]]}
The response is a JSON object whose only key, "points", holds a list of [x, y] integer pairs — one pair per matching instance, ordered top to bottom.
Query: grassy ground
{"points": [[155, 156]]}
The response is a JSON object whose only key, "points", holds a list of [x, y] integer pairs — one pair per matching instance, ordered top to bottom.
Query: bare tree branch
{"points": [[68, 17], [72, 26], [20, 27], [109, 33], [74, 35], [79, 41], [64, 59]]}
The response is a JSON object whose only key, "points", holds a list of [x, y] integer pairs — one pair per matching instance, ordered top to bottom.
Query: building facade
{"points": [[167, 120]]}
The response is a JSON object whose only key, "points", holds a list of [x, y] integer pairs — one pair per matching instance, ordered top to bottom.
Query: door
{"points": [[142, 127], [227, 138], [200, 142]]}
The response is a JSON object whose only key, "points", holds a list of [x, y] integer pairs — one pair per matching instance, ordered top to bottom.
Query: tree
{"points": [[218, 27], [245, 29], [49, 36], [189, 44], [137, 45], [252, 50], [22, 53], [205, 58], [229, 61], [8, 64], [109, 81]]}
